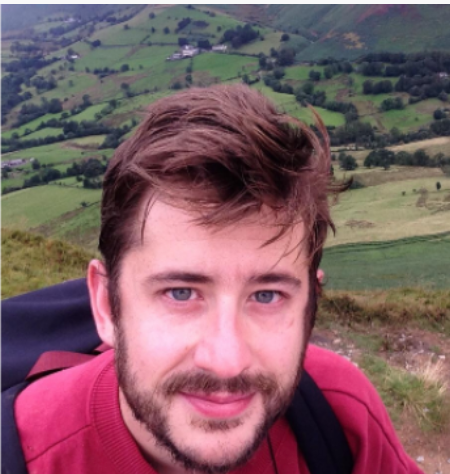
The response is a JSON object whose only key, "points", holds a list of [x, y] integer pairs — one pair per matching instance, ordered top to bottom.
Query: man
{"points": [[214, 216]]}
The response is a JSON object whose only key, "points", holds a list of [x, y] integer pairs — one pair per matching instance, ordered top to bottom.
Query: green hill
{"points": [[352, 30]]}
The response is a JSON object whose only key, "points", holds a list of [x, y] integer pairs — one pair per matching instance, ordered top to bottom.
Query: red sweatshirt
{"points": [[70, 422]]}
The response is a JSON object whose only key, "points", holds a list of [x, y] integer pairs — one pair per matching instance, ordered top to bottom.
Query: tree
{"points": [[151, 15], [126, 26], [166, 30], [285, 37], [182, 42], [204, 44], [286, 57], [124, 68], [328, 72], [278, 73], [314, 75], [124, 86], [367, 87], [308, 88], [443, 96], [54, 106], [438, 114], [347, 162], [35, 164], [438, 186]]}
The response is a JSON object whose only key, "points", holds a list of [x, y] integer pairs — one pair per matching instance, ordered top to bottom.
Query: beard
{"points": [[151, 408]]}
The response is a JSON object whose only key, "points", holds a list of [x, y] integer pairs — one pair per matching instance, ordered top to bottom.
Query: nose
{"points": [[223, 347]]}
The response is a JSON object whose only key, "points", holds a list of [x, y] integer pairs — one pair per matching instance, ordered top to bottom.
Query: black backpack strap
{"points": [[56, 318], [319, 434], [13, 461]]}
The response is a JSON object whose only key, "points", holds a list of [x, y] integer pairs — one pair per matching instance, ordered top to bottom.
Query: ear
{"points": [[320, 276], [97, 281]]}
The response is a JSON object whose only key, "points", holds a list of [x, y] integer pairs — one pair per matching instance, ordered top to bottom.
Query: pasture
{"points": [[271, 40], [102, 57], [224, 66], [301, 73], [288, 104], [32, 125], [43, 132], [50, 154], [34, 207], [383, 212], [421, 262]]}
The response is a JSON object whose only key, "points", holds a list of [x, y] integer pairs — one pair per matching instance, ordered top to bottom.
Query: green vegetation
{"points": [[224, 66], [34, 207], [381, 212], [30, 262], [416, 262], [422, 395]]}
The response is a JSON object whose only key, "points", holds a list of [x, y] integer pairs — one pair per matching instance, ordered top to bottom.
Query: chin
{"points": [[216, 446]]}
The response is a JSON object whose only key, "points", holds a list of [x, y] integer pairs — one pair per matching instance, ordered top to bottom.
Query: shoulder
{"points": [[333, 372], [343, 384], [57, 407], [360, 411]]}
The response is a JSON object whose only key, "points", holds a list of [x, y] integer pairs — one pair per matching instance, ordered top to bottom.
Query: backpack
{"points": [[59, 318]]}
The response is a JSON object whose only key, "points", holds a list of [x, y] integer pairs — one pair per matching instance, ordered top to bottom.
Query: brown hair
{"points": [[226, 151]]}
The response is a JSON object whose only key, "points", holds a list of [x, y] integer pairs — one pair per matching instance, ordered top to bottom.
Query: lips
{"points": [[219, 405]]}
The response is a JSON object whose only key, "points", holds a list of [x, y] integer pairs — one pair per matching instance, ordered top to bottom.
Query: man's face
{"points": [[210, 337]]}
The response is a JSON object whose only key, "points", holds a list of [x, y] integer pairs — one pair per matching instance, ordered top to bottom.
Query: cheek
{"points": [[281, 352]]}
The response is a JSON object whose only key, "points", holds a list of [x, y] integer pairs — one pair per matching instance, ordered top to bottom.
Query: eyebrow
{"points": [[187, 277], [274, 277], [199, 278]]}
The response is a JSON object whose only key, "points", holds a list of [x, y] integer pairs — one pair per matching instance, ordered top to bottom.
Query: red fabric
{"points": [[70, 423]]}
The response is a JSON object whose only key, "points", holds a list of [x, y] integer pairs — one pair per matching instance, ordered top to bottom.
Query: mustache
{"points": [[200, 382]]}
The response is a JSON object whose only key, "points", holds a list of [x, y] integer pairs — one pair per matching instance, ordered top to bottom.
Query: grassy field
{"points": [[271, 40], [103, 57], [224, 66], [301, 73], [289, 105], [29, 125], [44, 132], [432, 146], [61, 152], [12, 182], [34, 207], [380, 213], [413, 262]]}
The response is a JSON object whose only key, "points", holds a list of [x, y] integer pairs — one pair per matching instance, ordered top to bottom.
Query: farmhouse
{"points": [[220, 48], [189, 51], [15, 163]]}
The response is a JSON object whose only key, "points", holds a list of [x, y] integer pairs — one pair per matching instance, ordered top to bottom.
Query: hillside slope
{"points": [[352, 30]]}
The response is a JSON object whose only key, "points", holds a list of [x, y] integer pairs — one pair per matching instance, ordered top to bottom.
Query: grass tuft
{"points": [[422, 394]]}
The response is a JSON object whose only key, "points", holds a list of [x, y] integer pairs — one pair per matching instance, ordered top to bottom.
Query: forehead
{"points": [[170, 227]]}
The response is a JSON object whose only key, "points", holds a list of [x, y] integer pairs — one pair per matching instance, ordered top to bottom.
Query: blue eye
{"points": [[180, 294], [266, 296]]}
